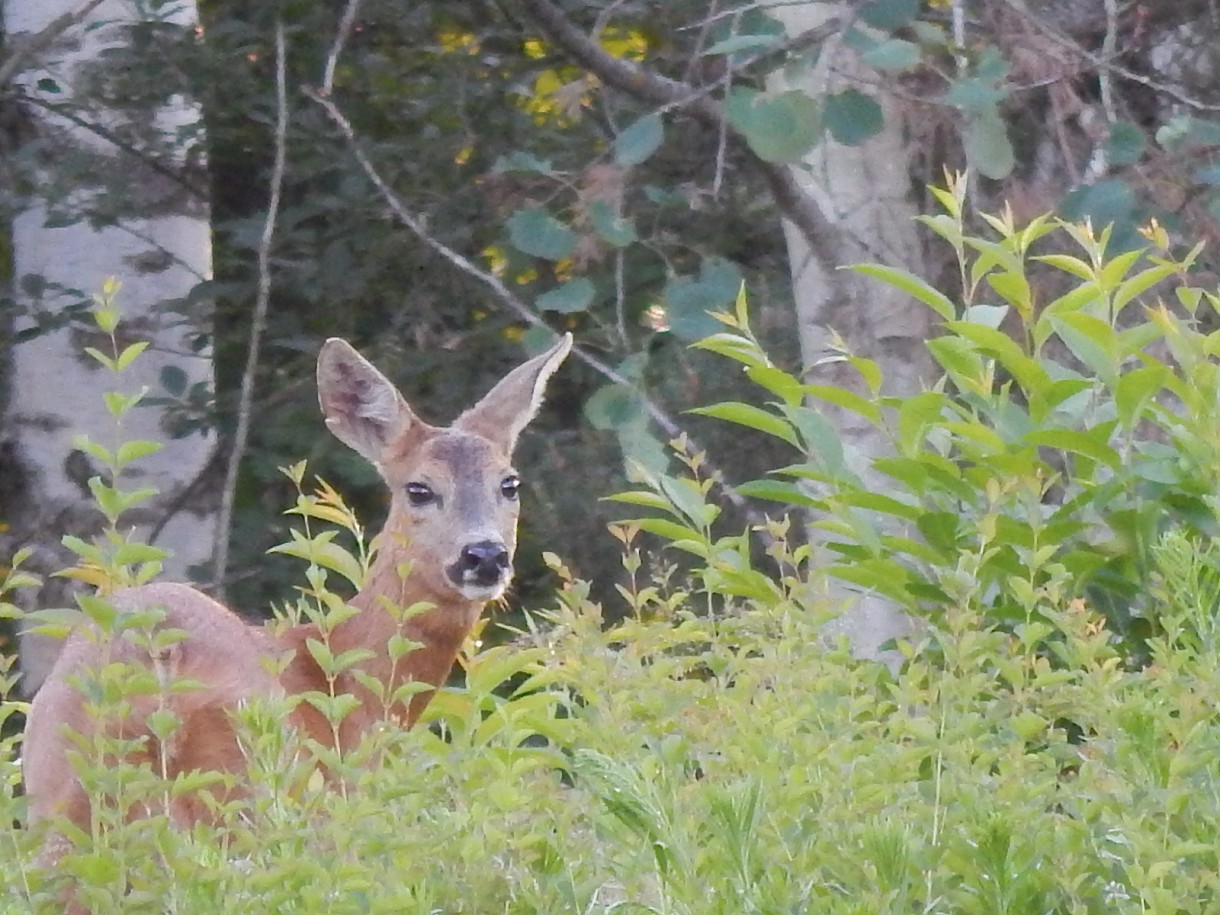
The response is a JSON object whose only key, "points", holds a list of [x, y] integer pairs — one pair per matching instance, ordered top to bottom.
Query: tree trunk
{"points": [[866, 192], [159, 252]]}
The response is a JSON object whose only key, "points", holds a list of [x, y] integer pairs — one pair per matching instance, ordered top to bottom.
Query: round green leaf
{"points": [[893, 56], [852, 117], [780, 128], [639, 141], [988, 149], [1106, 202], [613, 229], [535, 231], [573, 296], [689, 300], [173, 379], [613, 406]]}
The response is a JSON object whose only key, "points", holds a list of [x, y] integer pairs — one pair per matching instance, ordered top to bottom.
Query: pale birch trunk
{"points": [[866, 192], [55, 391]]}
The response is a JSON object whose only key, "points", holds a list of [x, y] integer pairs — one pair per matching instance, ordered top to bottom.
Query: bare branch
{"points": [[341, 36], [36, 43], [1106, 64], [176, 176], [507, 299], [258, 320]]}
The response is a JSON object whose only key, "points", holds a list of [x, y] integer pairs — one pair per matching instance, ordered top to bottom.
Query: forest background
{"points": [[443, 183], [1004, 423]]}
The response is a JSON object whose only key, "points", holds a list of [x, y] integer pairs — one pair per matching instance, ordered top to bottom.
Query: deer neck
{"points": [[382, 606]]}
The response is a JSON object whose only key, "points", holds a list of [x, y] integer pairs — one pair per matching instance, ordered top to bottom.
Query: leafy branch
{"points": [[796, 205], [505, 297]]}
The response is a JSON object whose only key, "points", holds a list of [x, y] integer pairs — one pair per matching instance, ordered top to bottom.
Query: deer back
{"points": [[448, 543]]}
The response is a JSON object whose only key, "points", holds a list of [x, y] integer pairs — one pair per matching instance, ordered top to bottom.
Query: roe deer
{"points": [[453, 516]]}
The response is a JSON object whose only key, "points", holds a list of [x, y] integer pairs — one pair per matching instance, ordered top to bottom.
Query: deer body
{"points": [[452, 523]]}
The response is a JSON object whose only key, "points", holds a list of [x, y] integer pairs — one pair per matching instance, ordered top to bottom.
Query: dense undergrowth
{"points": [[715, 752]]}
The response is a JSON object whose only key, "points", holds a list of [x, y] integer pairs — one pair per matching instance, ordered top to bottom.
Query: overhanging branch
{"points": [[647, 86]]}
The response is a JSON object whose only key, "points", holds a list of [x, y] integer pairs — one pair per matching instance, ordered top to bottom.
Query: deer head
{"points": [[454, 492]]}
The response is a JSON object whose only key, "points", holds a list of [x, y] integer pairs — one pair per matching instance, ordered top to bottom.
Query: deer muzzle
{"points": [[484, 565]]}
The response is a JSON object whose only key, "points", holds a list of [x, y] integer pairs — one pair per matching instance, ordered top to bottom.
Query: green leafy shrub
{"points": [[1076, 420], [716, 752]]}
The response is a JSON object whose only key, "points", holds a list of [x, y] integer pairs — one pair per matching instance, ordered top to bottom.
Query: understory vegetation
{"points": [[1045, 741]]}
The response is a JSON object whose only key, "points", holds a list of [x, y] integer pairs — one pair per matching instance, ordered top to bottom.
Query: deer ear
{"points": [[510, 405], [362, 408]]}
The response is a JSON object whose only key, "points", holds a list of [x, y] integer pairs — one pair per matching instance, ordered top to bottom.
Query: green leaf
{"points": [[889, 15], [735, 43], [893, 56], [975, 96], [852, 117], [779, 128], [639, 141], [1126, 143], [988, 149], [522, 162], [1105, 203], [611, 228], [535, 231], [1068, 264], [912, 285], [1137, 285], [1013, 288], [573, 296], [689, 300], [986, 315], [1090, 339], [734, 346], [129, 354], [100, 357], [959, 359], [1028, 372], [173, 379], [777, 382], [1136, 389], [848, 400], [613, 406], [916, 414], [751, 417], [820, 436], [1093, 444], [94, 449], [642, 449], [133, 451], [780, 491], [687, 496], [642, 497], [877, 502], [940, 530], [677, 533], [322, 552], [133, 553], [885, 576], [54, 622]]}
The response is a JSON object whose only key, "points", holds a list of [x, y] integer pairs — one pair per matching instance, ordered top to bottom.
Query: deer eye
{"points": [[510, 486], [420, 494]]}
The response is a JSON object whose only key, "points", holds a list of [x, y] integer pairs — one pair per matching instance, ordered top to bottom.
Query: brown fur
{"points": [[464, 466]]}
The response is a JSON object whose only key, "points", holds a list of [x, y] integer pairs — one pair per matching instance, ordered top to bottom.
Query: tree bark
{"points": [[866, 192], [55, 390]]}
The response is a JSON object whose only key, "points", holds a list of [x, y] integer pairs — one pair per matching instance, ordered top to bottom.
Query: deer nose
{"points": [[483, 563]]}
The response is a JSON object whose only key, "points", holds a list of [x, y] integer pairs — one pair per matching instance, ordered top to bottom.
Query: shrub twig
{"points": [[258, 321]]}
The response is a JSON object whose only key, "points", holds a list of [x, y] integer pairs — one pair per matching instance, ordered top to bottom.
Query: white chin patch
{"points": [[483, 592]]}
